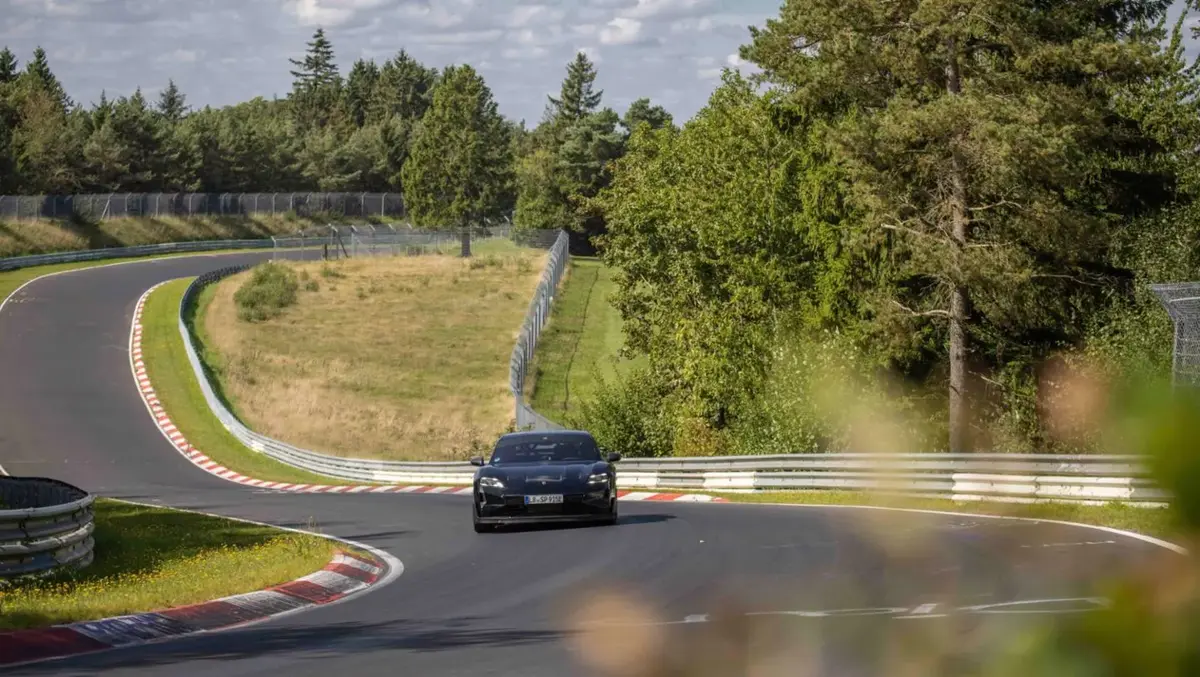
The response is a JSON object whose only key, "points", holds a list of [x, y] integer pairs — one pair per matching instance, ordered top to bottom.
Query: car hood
{"points": [[544, 477]]}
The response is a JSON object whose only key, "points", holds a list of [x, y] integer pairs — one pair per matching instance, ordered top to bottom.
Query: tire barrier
{"points": [[45, 526]]}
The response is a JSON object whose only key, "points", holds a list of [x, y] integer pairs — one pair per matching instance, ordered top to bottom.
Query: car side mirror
{"points": [[612, 456], [477, 460]]}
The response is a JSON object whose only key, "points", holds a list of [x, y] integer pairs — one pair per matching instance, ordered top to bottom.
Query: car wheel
{"points": [[612, 516], [479, 527]]}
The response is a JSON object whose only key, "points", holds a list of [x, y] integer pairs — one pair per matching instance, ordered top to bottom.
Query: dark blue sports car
{"points": [[545, 477]]}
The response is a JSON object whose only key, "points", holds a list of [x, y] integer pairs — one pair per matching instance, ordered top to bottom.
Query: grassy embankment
{"points": [[20, 238], [581, 343], [394, 358], [156, 558]]}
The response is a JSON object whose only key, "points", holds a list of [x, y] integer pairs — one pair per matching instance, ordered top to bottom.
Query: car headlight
{"points": [[598, 478], [490, 483]]}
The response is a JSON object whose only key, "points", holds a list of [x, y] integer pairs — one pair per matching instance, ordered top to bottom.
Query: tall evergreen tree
{"points": [[8, 66], [41, 76], [360, 87], [316, 88], [404, 88], [577, 98], [172, 104], [980, 137], [459, 172]]}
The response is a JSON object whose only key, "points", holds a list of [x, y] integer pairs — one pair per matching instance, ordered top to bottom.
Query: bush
{"points": [[271, 288], [632, 416]]}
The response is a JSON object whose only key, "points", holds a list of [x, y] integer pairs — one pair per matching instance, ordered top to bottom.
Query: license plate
{"points": [[543, 498]]}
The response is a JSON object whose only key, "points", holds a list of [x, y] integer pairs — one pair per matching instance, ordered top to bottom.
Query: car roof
{"points": [[529, 435]]}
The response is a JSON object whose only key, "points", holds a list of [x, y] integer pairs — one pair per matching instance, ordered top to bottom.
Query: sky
{"points": [[221, 52]]}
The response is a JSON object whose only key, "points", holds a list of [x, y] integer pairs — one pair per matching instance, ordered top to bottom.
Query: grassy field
{"points": [[19, 238], [580, 344], [394, 358], [176, 385], [1150, 521], [155, 558]]}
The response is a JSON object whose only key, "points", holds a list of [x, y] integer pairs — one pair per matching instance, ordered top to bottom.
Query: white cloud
{"points": [[651, 9], [524, 15], [620, 31], [221, 52], [523, 53], [181, 56]]}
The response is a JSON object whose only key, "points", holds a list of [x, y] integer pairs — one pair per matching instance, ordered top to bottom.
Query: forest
{"points": [[949, 210]]}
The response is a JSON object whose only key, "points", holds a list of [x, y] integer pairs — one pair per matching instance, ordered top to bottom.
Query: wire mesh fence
{"points": [[124, 205], [338, 241], [1182, 301], [531, 330]]}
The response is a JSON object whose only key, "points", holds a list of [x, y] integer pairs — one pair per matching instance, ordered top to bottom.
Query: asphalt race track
{"points": [[493, 604]]}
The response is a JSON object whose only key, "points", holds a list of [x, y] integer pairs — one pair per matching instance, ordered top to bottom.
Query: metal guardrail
{"points": [[15, 262], [997, 477], [45, 526]]}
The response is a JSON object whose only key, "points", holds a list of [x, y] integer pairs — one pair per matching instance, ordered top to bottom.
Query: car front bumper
{"points": [[494, 508]]}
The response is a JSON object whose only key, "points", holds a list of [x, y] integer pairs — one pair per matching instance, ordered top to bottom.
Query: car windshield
{"points": [[546, 450]]}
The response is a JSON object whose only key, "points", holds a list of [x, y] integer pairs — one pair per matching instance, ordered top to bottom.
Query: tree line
{"points": [[434, 135], [959, 203]]}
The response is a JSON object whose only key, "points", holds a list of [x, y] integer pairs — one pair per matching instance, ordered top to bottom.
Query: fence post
{"points": [[465, 240]]}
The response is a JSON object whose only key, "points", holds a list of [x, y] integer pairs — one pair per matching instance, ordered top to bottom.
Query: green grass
{"points": [[581, 343], [179, 391], [1149, 521], [155, 558]]}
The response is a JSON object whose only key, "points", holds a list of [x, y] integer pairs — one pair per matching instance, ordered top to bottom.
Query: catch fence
{"points": [[123, 205], [1182, 301]]}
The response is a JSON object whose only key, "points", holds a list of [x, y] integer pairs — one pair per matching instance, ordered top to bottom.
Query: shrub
{"points": [[271, 288], [632, 416]]}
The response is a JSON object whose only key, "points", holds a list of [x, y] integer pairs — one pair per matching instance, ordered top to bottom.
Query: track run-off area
{"points": [[834, 583]]}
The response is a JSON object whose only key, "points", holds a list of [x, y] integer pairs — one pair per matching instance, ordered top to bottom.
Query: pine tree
{"points": [[8, 66], [318, 67], [40, 74], [360, 87], [316, 88], [404, 88], [577, 99], [172, 104], [641, 111], [979, 137], [460, 168]]}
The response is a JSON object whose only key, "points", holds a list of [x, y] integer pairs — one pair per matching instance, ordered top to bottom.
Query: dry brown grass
{"points": [[19, 238], [394, 358]]}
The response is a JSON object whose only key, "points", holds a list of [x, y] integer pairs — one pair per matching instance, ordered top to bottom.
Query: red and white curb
{"points": [[200, 460], [346, 574]]}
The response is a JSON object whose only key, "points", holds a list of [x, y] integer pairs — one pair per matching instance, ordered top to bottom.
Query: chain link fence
{"points": [[123, 205], [337, 241], [1182, 301], [531, 330]]}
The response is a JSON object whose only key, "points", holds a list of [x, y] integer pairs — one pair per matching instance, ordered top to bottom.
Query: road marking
{"points": [[1069, 545], [1081, 605], [924, 611]]}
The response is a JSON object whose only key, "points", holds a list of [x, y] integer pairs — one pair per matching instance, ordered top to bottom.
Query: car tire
{"points": [[612, 517], [479, 527]]}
